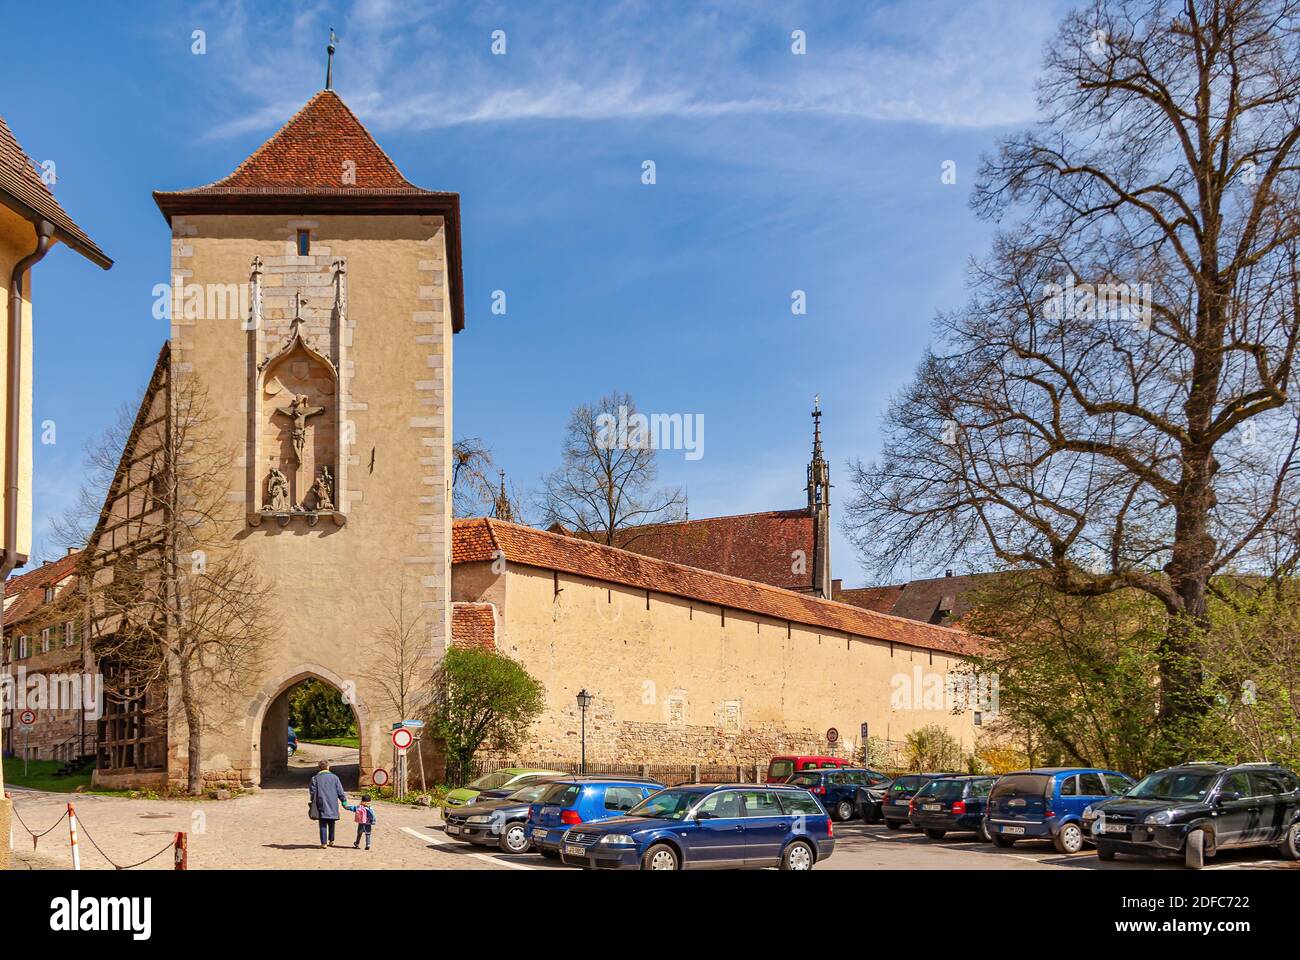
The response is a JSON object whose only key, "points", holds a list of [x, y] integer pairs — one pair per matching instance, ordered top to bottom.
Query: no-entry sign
{"points": [[402, 738]]}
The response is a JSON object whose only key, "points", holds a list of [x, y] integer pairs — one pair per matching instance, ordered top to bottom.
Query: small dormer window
{"points": [[304, 243], [49, 594]]}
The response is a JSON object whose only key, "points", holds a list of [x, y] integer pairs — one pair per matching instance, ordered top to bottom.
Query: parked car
{"points": [[293, 742], [781, 769], [507, 779], [838, 789], [571, 801], [871, 802], [1047, 803], [951, 805], [895, 808], [1198, 809], [502, 822], [699, 826]]}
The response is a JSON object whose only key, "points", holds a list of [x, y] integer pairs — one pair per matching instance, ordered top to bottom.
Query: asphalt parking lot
{"points": [[860, 846]]}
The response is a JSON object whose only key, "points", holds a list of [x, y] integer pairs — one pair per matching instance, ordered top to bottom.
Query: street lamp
{"points": [[584, 701]]}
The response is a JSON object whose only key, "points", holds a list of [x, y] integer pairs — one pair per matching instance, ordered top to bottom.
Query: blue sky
{"points": [[775, 173]]}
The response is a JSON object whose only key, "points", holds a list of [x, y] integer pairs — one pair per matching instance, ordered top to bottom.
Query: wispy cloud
{"points": [[420, 67]]}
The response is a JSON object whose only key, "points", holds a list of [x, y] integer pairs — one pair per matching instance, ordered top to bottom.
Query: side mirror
{"points": [[1228, 796], [704, 815]]}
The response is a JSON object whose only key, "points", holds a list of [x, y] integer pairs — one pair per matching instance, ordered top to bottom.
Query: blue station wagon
{"points": [[576, 800], [1047, 803], [701, 826]]}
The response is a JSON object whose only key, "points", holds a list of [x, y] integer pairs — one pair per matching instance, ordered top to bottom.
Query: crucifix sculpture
{"points": [[298, 412]]}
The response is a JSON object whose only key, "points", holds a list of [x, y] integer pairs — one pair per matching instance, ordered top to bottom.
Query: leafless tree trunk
{"points": [[1115, 404], [606, 482], [404, 648]]}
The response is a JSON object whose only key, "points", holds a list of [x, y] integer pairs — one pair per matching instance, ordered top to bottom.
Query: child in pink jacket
{"points": [[364, 817]]}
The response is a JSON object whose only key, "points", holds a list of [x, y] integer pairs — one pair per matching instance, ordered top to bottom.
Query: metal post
{"points": [[584, 739], [72, 835]]}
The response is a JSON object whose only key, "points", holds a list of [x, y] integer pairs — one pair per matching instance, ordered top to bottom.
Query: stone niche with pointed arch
{"points": [[295, 427]]}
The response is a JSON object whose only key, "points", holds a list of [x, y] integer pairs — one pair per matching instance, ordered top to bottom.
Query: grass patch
{"points": [[353, 741], [40, 776]]}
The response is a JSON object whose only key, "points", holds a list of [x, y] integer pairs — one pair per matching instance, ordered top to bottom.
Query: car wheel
{"points": [[844, 811], [894, 824], [983, 832], [936, 834], [514, 838], [1069, 839], [1003, 842], [1290, 845], [1194, 850], [1105, 852], [549, 854], [797, 856], [660, 857]]}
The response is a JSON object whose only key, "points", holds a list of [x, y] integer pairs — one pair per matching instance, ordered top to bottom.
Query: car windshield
{"points": [[780, 769], [805, 779], [490, 781], [906, 785], [1022, 785], [1173, 785], [942, 790], [530, 794], [666, 805]]}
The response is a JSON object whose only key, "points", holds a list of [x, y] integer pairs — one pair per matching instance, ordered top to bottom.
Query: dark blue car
{"points": [[841, 791], [580, 800], [1047, 803], [952, 805], [701, 826]]}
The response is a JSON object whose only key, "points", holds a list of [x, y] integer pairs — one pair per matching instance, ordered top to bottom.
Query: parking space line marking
{"points": [[458, 848]]}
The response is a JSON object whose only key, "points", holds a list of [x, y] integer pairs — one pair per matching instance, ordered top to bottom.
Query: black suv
{"points": [[1197, 809]]}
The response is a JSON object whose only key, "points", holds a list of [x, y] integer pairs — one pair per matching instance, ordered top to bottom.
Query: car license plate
{"points": [[931, 806], [1115, 828], [453, 830], [1013, 830], [539, 832], [573, 850]]}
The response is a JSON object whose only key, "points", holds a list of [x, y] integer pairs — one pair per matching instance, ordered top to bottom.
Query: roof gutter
{"points": [[14, 389]]}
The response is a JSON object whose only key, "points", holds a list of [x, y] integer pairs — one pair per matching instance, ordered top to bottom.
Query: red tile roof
{"points": [[306, 160], [22, 188], [484, 540], [751, 546], [28, 590], [879, 599], [473, 625]]}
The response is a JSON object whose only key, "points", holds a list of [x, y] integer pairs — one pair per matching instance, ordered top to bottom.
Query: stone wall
{"points": [[677, 681]]}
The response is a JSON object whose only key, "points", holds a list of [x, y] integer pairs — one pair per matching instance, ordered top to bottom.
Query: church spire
{"points": [[329, 62], [819, 506], [501, 508]]}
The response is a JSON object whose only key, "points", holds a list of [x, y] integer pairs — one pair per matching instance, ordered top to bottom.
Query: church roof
{"points": [[323, 160], [22, 189], [486, 540], [751, 546]]}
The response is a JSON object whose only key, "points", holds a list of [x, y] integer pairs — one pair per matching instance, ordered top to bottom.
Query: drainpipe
{"points": [[14, 421]]}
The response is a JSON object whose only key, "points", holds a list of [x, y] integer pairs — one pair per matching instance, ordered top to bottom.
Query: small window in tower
{"points": [[304, 243]]}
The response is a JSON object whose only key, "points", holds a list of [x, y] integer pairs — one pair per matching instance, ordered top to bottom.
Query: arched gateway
{"points": [[314, 299]]}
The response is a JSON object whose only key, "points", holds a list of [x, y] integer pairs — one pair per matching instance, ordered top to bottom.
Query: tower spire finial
{"points": [[329, 62]]}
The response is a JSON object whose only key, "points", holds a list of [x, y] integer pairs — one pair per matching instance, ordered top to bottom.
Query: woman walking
{"points": [[326, 792]]}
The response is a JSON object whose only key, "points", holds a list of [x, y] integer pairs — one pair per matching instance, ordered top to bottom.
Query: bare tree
{"points": [[1115, 405], [99, 461], [606, 481], [478, 487], [172, 599], [398, 669]]}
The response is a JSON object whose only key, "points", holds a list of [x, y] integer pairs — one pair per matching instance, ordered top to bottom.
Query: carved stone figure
{"points": [[298, 412], [323, 489], [277, 491]]}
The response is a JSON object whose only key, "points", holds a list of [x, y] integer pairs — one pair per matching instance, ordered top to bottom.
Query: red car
{"points": [[781, 769]]}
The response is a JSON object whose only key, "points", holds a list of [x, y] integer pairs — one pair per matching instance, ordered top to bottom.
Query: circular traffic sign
{"points": [[27, 718], [832, 735], [402, 738], [379, 777]]}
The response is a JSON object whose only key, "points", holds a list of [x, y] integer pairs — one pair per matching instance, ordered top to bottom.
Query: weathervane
{"points": [[329, 62]]}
